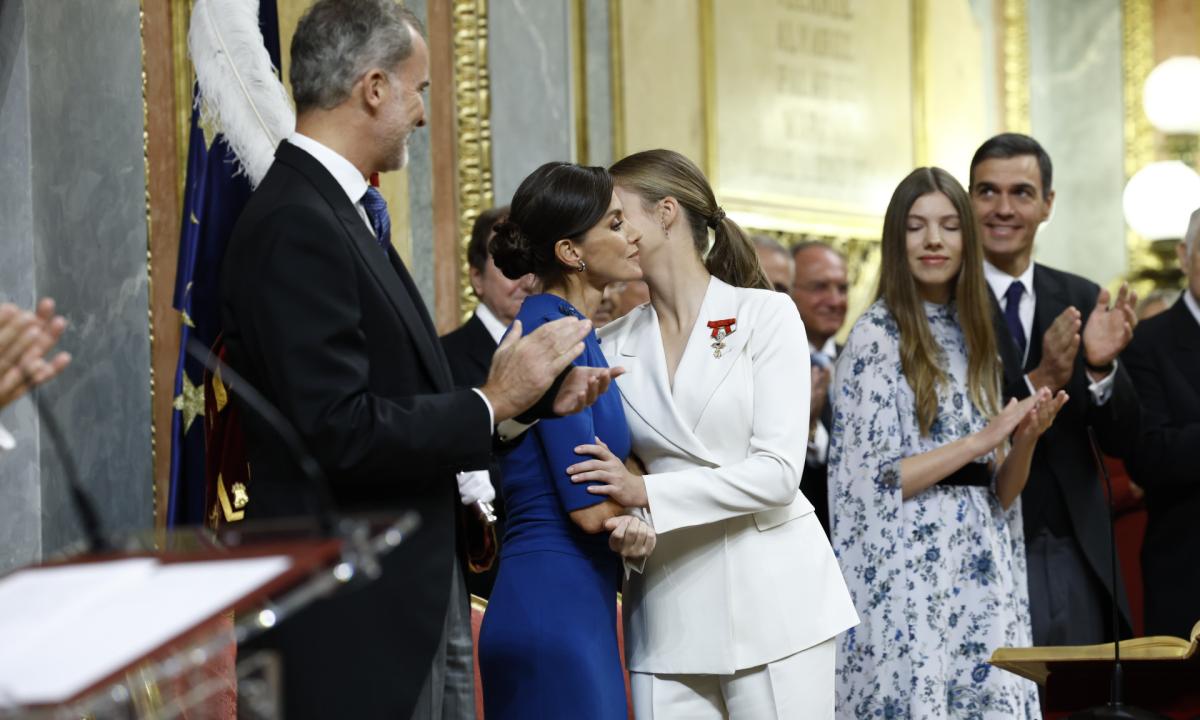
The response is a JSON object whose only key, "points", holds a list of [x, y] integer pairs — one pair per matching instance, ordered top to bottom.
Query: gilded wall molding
{"points": [[1137, 60], [1016, 66], [579, 75], [184, 77], [616, 78], [920, 84], [472, 86], [708, 89], [149, 246]]}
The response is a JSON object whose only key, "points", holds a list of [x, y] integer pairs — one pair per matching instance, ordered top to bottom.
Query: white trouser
{"points": [[798, 687]]}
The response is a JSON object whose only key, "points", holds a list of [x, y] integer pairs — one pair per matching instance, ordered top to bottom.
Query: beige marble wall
{"points": [[1076, 109]]}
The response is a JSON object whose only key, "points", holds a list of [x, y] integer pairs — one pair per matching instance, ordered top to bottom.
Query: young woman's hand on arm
{"points": [[621, 485]]}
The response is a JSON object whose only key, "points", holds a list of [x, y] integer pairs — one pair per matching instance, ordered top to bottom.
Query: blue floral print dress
{"points": [[938, 579]]}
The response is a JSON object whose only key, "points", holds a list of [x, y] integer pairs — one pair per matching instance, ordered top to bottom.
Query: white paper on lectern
{"points": [[62, 629]]}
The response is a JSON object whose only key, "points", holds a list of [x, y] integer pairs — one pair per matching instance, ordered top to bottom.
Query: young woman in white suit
{"points": [[735, 614]]}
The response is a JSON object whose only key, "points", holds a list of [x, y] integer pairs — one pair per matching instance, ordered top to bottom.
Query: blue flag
{"points": [[214, 196]]}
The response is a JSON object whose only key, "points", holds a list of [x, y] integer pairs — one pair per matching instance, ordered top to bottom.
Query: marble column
{"points": [[1076, 112], [73, 226]]}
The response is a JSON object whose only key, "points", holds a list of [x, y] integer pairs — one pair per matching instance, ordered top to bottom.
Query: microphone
{"points": [[260, 406], [1116, 709]]}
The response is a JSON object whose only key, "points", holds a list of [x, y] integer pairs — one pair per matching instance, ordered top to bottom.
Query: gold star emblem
{"points": [[190, 402]]}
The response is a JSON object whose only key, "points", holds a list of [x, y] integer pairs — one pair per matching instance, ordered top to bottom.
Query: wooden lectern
{"points": [[82, 636], [1160, 674]]}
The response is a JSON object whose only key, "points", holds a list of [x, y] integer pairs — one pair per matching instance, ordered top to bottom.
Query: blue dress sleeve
{"points": [[559, 438]]}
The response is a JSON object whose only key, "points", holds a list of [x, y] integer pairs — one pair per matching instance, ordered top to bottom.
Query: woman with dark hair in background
{"points": [[924, 485], [737, 608], [548, 645]]}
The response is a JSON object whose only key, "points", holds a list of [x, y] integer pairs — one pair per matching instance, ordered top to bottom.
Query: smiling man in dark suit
{"points": [[321, 314], [1057, 330], [1164, 362]]}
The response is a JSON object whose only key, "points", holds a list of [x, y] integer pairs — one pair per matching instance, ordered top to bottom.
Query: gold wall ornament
{"points": [[1137, 60], [1016, 66], [185, 77], [616, 78], [472, 86], [579, 87], [149, 250]]}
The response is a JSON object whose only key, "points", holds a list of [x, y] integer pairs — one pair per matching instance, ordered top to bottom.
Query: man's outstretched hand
{"points": [[524, 368]]}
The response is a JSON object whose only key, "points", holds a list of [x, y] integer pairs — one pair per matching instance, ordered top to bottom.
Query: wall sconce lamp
{"points": [[1160, 198]]}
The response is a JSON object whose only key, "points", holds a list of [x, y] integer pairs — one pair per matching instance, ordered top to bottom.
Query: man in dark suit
{"points": [[820, 290], [320, 314], [1057, 330], [469, 350], [1164, 362]]}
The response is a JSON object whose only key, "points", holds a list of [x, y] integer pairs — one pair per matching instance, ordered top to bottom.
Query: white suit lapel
{"points": [[700, 369], [645, 388]]}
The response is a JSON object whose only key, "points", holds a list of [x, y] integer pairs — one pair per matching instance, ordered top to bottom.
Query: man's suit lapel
{"points": [[397, 284], [1049, 304], [1187, 342], [434, 354], [646, 390]]}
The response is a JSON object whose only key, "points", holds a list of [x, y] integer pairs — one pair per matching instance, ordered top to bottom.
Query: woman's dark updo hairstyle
{"points": [[558, 200]]}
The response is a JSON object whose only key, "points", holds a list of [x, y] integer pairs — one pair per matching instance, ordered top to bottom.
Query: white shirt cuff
{"points": [[1029, 384], [1102, 390], [511, 428], [507, 429], [7, 441]]}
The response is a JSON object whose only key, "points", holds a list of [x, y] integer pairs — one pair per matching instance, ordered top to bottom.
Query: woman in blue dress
{"points": [[924, 484], [548, 645]]}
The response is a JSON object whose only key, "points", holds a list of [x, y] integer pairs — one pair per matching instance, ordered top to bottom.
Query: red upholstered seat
{"points": [[479, 605]]}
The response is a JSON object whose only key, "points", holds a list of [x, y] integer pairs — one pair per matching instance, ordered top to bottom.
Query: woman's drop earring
{"points": [[581, 266]]}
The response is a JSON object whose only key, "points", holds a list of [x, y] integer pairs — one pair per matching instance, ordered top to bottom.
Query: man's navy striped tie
{"points": [[377, 213]]}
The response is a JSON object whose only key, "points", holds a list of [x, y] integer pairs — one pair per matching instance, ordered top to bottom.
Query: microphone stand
{"points": [[81, 502], [1116, 709]]}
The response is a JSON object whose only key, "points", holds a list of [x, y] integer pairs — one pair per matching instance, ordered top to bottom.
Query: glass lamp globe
{"points": [[1172, 96], [1160, 199]]}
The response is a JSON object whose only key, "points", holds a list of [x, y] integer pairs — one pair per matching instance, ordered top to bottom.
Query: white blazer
{"points": [[742, 574]]}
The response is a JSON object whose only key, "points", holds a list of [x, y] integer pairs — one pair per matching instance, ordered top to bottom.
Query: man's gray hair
{"points": [[337, 41], [1193, 230], [766, 242], [806, 244]]}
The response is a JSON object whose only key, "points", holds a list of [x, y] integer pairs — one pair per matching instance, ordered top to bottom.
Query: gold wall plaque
{"points": [[813, 109]]}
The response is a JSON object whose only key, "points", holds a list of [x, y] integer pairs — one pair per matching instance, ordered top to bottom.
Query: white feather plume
{"points": [[240, 95]]}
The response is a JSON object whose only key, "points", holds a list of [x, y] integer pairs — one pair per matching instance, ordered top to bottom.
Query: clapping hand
{"points": [[1109, 330], [25, 339], [1060, 343], [524, 368], [582, 387], [1039, 419], [1001, 427], [620, 484]]}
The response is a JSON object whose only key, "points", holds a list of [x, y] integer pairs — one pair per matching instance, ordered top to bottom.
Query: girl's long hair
{"points": [[920, 355]]}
